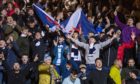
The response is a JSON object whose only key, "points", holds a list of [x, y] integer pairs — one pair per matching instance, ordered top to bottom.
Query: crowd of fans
{"points": [[32, 54]]}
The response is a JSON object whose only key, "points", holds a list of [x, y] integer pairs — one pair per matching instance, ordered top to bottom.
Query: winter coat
{"points": [[8, 30], [126, 31], [24, 45], [39, 47], [62, 50], [95, 53], [109, 53], [125, 72], [47, 74], [115, 74], [98, 77], [16, 78]]}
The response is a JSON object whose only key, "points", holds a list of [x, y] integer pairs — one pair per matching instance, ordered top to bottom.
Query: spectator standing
{"points": [[92, 50], [47, 72], [115, 73], [99, 75]]}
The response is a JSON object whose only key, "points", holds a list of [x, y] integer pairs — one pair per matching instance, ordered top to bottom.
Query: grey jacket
{"points": [[90, 59]]}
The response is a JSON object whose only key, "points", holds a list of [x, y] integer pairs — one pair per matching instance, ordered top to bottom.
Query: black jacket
{"points": [[98, 77], [16, 78], [131, 81]]}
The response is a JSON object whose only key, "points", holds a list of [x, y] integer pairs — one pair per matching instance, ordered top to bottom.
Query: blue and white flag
{"points": [[45, 18], [78, 20]]}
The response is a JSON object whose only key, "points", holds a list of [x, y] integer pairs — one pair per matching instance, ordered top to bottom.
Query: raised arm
{"points": [[108, 22], [118, 22], [105, 43], [81, 44]]}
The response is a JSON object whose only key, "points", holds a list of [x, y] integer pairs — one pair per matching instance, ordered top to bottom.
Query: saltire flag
{"points": [[45, 18], [78, 20]]}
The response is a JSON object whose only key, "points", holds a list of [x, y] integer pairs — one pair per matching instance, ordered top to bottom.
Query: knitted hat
{"points": [[47, 57]]}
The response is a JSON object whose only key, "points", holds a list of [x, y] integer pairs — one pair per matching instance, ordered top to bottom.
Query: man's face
{"points": [[10, 6], [17, 10], [4, 12], [31, 12], [89, 19], [10, 20], [130, 22], [32, 25], [111, 30], [25, 32], [118, 32], [37, 35], [75, 35], [61, 39], [92, 40], [2, 44], [25, 59], [48, 62], [131, 63], [98, 64], [16, 66], [68, 66], [83, 70], [73, 76]]}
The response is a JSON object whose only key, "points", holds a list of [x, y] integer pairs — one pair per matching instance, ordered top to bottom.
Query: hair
{"points": [[29, 8], [130, 17], [31, 20], [110, 27], [25, 28], [76, 32], [61, 36], [92, 37], [24, 54], [98, 59], [131, 59], [116, 61], [68, 63], [74, 72], [135, 72]]}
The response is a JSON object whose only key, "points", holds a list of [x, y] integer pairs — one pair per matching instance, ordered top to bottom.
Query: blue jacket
{"points": [[64, 51], [12, 54], [65, 72]]}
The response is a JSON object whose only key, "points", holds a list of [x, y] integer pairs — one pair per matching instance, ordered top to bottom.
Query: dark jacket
{"points": [[1, 33], [24, 45], [39, 47], [109, 52], [125, 72], [98, 77], [16, 78], [83, 78], [131, 81]]}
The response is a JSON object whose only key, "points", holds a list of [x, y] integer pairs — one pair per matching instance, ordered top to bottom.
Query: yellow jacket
{"points": [[45, 74], [115, 74]]}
